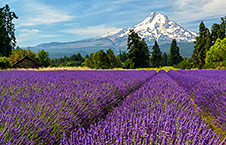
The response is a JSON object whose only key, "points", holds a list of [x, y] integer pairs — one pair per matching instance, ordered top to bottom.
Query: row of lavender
{"points": [[208, 91], [38, 107], [160, 112]]}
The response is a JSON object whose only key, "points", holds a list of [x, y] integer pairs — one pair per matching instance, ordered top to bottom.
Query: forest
{"points": [[209, 51]]}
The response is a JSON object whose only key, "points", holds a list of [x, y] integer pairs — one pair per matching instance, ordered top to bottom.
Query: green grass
{"points": [[166, 68]]}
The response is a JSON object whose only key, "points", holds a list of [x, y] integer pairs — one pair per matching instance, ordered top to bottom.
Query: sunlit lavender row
{"points": [[208, 91], [38, 107], [160, 112]]}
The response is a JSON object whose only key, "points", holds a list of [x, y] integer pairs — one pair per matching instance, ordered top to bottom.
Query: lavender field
{"points": [[113, 107]]}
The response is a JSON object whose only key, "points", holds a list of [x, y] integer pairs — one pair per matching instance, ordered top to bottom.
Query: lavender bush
{"points": [[208, 91], [38, 107], [160, 112]]}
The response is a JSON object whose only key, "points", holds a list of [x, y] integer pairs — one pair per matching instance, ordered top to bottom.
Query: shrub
{"points": [[216, 56], [4, 63], [184, 64]]}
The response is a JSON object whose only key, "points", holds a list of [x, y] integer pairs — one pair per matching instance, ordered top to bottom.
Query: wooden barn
{"points": [[26, 62]]}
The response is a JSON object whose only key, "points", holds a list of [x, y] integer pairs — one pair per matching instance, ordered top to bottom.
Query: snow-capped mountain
{"points": [[155, 27]]}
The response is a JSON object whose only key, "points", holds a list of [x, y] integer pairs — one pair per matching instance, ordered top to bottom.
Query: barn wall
{"points": [[26, 63]]}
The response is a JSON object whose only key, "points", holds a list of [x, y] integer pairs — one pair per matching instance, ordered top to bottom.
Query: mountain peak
{"points": [[157, 14], [155, 17], [155, 27]]}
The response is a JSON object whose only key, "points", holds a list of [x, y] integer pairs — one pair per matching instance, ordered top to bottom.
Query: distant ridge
{"points": [[155, 27]]}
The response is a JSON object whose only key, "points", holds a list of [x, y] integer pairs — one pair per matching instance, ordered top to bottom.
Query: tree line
{"points": [[209, 50], [137, 55]]}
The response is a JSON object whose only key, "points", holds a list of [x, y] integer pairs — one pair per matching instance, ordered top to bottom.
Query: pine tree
{"points": [[222, 32], [214, 33], [7, 36], [208, 42], [173, 51], [199, 51], [122, 55], [138, 55], [144, 55], [156, 55], [174, 57], [179, 58], [164, 59]]}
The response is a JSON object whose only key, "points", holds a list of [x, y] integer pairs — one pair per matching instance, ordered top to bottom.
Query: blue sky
{"points": [[42, 21]]}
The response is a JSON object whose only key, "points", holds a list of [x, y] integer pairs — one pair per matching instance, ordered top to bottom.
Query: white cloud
{"points": [[189, 10], [40, 14], [30, 30], [92, 30], [26, 34], [30, 34]]}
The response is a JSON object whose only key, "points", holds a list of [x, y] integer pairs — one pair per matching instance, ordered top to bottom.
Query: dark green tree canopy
{"points": [[7, 36], [200, 49], [138, 52], [122, 55], [156, 55], [174, 57], [43, 58], [164, 59], [73, 60], [102, 60], [113, 60]]}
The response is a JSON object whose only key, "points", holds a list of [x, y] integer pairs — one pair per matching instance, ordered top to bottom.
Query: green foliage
{"points": [[218, 31], [7, 36], [202, 45], [138, 52], [19, 53], [122, 55], [156, 55], [216, 56], [174, 57], [43, 58], [164, 59], [74, 60], [102, 60], [113, 60], [4, 63], [184, 64]]}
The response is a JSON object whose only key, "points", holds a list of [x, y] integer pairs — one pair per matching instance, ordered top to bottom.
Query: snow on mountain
{"points": [[155, 27]]}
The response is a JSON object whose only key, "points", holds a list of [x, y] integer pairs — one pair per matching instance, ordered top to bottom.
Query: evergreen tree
{"points": [[222, 32], [214, 33], [7, 36], [208, 42], [199, 51], [173, 53], [122, 55], [138, 55], [144, 55], [156, 55], [178, 56], [164, 59]]}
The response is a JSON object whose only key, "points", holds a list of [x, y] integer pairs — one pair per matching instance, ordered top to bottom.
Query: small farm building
{"points": [[26, 62]]}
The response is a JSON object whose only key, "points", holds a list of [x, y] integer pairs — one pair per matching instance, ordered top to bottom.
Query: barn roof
{"points": [[26, 57]]}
